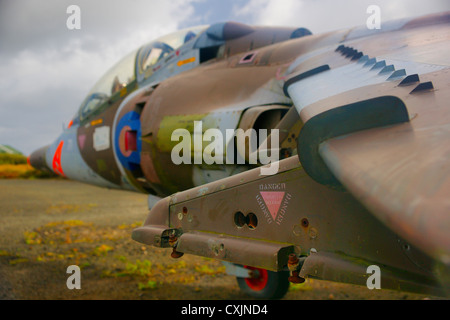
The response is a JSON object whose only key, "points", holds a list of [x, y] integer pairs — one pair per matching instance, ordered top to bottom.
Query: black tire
{"points": [[269, 284]]}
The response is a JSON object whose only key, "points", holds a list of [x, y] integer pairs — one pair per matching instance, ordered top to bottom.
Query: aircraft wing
{"points": [[376, 117]]}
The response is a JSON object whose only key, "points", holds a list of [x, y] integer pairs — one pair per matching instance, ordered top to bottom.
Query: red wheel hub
{"points": [[260, 279]]}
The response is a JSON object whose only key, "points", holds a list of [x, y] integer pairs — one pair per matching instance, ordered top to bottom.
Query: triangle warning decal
{"points": [[273, 201]]}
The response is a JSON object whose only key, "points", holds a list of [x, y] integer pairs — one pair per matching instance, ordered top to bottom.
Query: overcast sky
{"points": [[46, 69]]}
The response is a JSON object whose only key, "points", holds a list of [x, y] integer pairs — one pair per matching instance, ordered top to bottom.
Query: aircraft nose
{"points": [[37, 159]]}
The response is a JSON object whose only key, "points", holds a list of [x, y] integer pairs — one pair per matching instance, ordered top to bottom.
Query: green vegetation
{"points": [[8, 149], [9, 158], [15, 166], [107, 254], [145, 286]]}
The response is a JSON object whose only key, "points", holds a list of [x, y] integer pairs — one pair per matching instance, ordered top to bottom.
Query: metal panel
{"points": [[261, 254]]}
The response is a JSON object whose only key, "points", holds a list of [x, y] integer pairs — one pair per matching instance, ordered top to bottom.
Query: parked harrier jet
{"points": [[356, 125]]}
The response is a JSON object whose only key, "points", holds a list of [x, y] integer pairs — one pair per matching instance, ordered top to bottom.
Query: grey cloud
{"points": [[326, 15], [40, 24], [47, 69]]}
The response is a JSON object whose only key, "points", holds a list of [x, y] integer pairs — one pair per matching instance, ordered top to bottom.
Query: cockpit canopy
{"points": [[150, 54], [136, 66]]}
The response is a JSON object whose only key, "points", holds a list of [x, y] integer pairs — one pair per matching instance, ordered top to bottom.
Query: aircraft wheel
{"points": [[266, 284]]}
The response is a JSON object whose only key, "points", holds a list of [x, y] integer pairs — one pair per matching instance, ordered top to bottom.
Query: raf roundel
{"points": [[127, 140]]}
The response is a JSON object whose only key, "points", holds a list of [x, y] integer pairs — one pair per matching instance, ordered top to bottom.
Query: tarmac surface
{"points": [[48, 225]]}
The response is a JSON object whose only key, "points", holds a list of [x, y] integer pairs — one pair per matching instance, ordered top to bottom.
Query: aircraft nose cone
{"points": [[37, 160]]}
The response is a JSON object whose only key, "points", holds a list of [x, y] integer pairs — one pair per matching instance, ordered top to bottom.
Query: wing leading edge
{"points": [[379, 125]]}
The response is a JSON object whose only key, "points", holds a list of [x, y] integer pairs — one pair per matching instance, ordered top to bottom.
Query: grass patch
{"points": [[6, 158], [15, 166], [22, 171], [64, 208], [73, 231], [102, 250], [4, 253], [69, 255], [17, 261], [139, 269], [208, 270], [145, 286], [305, 286]]}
